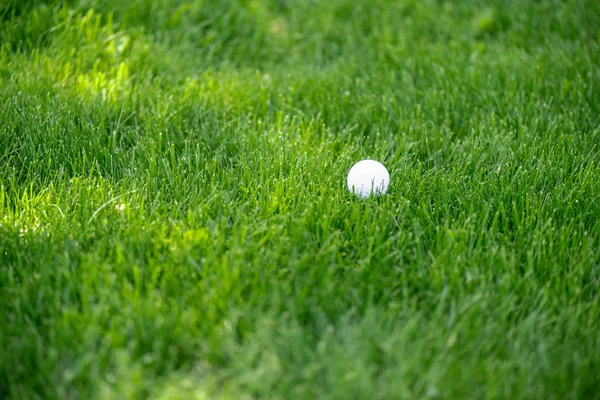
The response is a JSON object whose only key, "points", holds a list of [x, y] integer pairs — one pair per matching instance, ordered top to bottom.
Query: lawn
{"points": [[175, 222]]}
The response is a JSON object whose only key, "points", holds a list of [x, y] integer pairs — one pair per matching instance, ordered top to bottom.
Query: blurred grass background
{"points": [[175, 222]]}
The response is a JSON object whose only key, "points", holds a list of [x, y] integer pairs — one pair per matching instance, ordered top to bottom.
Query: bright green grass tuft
{"points": [[174, 222]]}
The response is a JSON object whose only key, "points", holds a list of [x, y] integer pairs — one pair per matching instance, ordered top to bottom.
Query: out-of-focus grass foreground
{"points": [[175, 223]]}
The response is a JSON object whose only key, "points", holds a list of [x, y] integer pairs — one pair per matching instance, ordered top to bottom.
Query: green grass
{"points": [[174, 221]]}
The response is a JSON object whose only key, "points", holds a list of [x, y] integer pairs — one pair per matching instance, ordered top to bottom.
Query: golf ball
{"points": [[368, 177]]}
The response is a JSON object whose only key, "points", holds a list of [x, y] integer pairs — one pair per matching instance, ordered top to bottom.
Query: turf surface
{"points": [[174, 217]]}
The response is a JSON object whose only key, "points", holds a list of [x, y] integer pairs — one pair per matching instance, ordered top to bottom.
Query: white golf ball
{"points": [[368, 177]]}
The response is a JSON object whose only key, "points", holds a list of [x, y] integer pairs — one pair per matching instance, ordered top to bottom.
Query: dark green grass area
{"points": [[174, 221]]}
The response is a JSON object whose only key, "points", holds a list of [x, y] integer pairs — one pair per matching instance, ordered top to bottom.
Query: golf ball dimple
{"points": [[368, 177]]}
